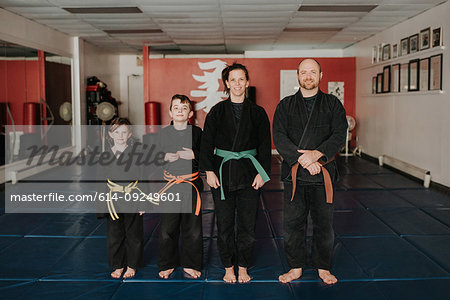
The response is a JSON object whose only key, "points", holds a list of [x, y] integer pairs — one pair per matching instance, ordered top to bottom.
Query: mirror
{"points": [[34, 85]]}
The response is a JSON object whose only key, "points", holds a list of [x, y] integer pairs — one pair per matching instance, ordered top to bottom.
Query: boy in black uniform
{"points": [[239, 130], [181, 144], [125, 231]]}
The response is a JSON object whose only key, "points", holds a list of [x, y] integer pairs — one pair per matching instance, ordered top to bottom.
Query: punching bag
{"points": [[152, 116], [31, 117]]}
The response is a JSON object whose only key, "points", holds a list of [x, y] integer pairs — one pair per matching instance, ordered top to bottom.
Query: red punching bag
{"points": [[31, 116], [152, 116]]}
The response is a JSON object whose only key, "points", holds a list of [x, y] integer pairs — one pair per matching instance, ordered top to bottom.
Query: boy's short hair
{"points": [[226, 74], [183, 99], [116, 122]]}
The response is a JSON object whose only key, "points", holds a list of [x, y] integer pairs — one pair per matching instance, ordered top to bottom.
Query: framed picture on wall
{"points": [[437, 37], [425, 38], [413, 43], [404, 46], [394, 51], [380, 52], [387, 52], [374, 54], [436, 72], [413, 75], [403, 77], [424, 77], [395, 78], [386, 79], [379, 83], [374, 84]]}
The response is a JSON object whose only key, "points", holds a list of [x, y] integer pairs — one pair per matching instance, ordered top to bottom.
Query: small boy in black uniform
{"points": [[182, 165], [125, 231]]}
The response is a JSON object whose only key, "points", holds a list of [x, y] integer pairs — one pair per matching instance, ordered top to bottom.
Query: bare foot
{"points": [[117, 273], [129, 273], [166, 273], [193, 273], [293, 274], [229, 275], [243, 275], [327, 277]]}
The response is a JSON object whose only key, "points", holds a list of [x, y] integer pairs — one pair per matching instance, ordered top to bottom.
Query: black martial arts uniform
{"points": [[324, 129], [223, 131], [125, 235], [191, 256]]}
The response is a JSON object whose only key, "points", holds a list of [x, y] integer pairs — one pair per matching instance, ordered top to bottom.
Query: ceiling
{"points": [[219, 26]]}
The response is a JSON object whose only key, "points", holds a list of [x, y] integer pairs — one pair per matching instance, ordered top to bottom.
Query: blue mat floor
{"points": [[392, 242]]}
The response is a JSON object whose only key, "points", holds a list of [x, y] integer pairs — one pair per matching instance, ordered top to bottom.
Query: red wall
{"points": [[174, 76], [19, 83]]}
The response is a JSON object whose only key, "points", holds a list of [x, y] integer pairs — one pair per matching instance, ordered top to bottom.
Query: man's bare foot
{"points": [[117, 273], [129, 273], [166, 273], [193, 273], [293, 274], [229, 275], [243, 275], [327, 277]]}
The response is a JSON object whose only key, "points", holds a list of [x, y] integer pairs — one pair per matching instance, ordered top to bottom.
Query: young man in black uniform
{"points": [[309, 129], [239, 130], [181, 144]]}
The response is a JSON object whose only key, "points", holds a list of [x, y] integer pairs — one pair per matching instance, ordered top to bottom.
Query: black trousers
{"points": [[308, 199], [125, 240], [236, 247], [191, 254]]}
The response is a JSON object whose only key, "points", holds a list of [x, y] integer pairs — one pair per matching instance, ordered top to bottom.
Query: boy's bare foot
{"points": [[117, 273], [129, 273], [166, 273], [193, 273], [293, 274], [229, 275], [243, 275], [327, 277]]}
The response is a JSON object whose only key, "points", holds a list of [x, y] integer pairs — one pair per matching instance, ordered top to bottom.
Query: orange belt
{"points": [[188, 178], [326, 180]]}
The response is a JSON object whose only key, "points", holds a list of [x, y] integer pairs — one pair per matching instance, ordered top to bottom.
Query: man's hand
{"points": [[187, 153], [171, 157], [308, 157], [314, 168], [212, 179], [258, 182], [141, 213]]}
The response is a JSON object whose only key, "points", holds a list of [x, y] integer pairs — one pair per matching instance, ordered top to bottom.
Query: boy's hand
{"points": [[187, 153], [171, 157], [308, 157], [314, 168], [212, 179], [258, 182]]}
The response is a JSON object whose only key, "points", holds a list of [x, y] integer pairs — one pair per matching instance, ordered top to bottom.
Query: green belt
{"points": [[227, 155]]}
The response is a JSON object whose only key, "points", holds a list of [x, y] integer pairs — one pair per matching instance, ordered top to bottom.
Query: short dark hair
{"points": [[298, 66], [226, 74], [183, 99]]}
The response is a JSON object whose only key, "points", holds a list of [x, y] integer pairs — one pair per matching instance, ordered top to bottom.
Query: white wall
{"points": [[128, 67], [415, 126]]}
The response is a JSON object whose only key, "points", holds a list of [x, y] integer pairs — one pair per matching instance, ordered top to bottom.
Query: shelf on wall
{"points": [[407, 57], [412, 93]]}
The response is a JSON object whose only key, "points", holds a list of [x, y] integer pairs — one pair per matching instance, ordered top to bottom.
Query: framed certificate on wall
{"points": [[424, 66], [436, 72], [403, 77], [395, 78], [413, 78], [386, 79]]}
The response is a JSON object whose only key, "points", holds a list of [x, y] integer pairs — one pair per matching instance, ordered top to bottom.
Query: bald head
{"points": [[309, 62]]}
